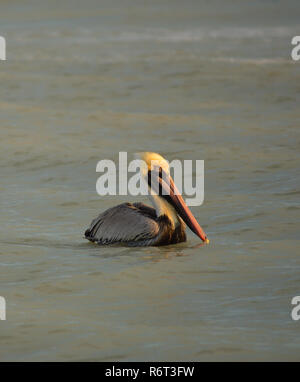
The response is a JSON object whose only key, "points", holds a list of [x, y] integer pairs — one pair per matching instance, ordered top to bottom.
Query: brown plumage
{"points": [[134, 225], [140, 225]]}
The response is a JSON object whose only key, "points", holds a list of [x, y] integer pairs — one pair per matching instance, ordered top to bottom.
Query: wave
{"points": [[95, 35]]}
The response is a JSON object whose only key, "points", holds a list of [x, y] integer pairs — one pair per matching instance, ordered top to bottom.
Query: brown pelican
{"points": [[140, 225]]}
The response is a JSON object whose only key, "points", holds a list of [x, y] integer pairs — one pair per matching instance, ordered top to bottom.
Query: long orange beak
{"points": [[170, 190]]}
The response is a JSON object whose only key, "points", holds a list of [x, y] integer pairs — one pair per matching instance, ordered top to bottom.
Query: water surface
{"points": [[190, 80]]}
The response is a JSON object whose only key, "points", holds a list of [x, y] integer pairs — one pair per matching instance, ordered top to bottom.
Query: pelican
{"points": [[139, 225]]}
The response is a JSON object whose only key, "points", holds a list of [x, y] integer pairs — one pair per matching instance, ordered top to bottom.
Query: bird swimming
{"points": [[139, 225]]}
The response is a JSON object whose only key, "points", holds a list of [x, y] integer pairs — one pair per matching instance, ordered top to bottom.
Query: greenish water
{"points": [[192, 80]]}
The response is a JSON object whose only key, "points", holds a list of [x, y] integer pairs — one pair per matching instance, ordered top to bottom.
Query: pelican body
{"points": [[139, 225]]}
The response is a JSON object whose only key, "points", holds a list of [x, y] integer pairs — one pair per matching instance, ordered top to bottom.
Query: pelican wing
{"points": [[126, 223]]}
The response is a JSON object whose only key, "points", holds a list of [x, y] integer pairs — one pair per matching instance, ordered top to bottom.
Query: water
{"points": [[192, 80]]}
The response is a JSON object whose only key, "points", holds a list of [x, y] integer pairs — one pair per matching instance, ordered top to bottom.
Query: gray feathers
{"points": [[131, 224]]}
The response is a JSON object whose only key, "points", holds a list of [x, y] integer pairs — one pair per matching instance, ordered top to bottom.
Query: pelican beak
{"points": [[170, 192]]}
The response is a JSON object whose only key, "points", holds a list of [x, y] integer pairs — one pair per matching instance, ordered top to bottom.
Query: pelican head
{"points": [[164, 194]]}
